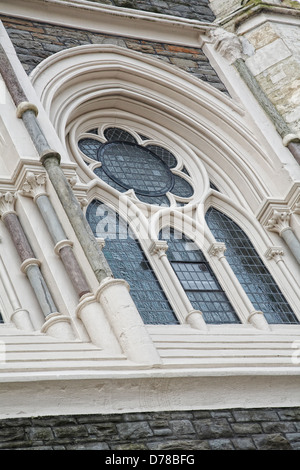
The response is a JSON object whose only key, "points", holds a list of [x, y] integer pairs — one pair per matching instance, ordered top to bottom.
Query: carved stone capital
{"points": [[227, 44], [34, 185], [7, 203], [279, 222], [158, 247], [217, 249], [275, 253]]}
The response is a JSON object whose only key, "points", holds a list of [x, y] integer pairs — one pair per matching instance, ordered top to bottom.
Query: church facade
{"points": [[150, 225]]}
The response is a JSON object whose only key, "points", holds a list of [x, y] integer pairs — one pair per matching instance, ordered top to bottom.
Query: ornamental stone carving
{"points": [[227, 44], [34, 185], [7, 203], [279, 222], [217, 249]]}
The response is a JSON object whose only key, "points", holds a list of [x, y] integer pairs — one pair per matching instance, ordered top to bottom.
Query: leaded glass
{"points": [[114, 134], [89, 147], [164, 155], [133, 166], [181, 187], [127, 261], [251, 272], [198, 280]]}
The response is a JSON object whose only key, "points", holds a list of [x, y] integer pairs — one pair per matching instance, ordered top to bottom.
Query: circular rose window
{"points": [[126, 162]]}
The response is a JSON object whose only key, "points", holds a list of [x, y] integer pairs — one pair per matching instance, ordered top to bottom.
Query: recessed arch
{"points": [[112, 80]]}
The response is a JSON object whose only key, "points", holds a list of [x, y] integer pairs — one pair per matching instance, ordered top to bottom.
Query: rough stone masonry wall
{"points": [[35, 41], [253, 429]]}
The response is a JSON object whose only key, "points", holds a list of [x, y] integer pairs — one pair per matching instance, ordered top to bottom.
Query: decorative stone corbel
{"points": [[227, 44], [159, 248], [217, 249]]}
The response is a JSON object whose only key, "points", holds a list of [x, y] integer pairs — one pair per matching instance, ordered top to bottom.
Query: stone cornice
{"points": [[239, 17], [109, 19]]}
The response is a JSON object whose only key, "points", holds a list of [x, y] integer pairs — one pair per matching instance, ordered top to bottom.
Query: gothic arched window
{"points": [[128, 261], [249, 269], [198, 280]]}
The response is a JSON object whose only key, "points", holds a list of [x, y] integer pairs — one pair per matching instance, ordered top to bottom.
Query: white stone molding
{"points": [[227, 44], [26, 106], [34, 185], [7, 203], [296, 208], [61, 244], [277, 255], [29, 262], [92, 314], [20, 317], [195, 319], [126, 322], [59, 326]]}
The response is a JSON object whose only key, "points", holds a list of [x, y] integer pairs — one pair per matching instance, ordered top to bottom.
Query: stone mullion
{"points": [[193, 317], [255, 317]]}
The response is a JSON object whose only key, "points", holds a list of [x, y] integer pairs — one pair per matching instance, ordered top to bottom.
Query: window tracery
{"points": [[126, 163]]}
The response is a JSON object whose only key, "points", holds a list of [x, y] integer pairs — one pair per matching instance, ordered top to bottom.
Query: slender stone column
{"points": [[51, 161], [35, 187], [280, 223], [31, 267], [20, 316], [194, 317], [255, 317]]}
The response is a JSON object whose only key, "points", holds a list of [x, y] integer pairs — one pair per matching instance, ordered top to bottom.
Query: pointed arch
{"points": [[117, 83], [128, 261], [249, 269]]}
